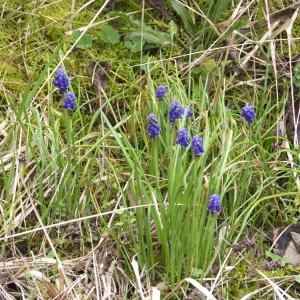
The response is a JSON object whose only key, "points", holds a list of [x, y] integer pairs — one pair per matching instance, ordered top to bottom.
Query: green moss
{"points": [[244, 279]]}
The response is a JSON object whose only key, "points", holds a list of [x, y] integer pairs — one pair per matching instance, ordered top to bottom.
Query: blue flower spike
{"points": [[61, 80], [160, 92], [69, 101], [176, 111], [189, 112], [248, 113], [153, 127], [183, 138], [197, 145], [214, 204]]}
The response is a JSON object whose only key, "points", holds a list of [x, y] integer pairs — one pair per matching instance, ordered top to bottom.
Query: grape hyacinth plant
{"points": [[61, 80], [160, 92], [69, 101], [176, 111], [248, 113], [153, 126], [183, 138], [197, 145], [176, 180], [214, 204]]}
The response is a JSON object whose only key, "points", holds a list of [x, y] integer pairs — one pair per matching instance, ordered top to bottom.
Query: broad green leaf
{"points": [[109, 35], [86, 41]]}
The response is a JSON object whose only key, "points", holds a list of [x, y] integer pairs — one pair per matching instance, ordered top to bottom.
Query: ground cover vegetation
{"points": [[149, 150]]}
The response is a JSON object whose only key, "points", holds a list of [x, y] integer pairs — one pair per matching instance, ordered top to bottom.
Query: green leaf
{"points": [[216, 9], [185, 16], [236, 26], [173, 29], [109, 35], [152, 37], [86, 41], [134, 44], [275, 257], [297, 278]]}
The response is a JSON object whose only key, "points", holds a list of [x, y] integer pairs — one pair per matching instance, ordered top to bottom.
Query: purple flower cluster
{"points": [[61, 81], [160, 92], [69, 101], [175, 111], [248, 113], [153, 127], [183, 138], [197, 145], [214, 204]]}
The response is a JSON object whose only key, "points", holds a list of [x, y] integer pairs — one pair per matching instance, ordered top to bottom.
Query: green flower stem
{"points": [[68, 125], [155, 163], [171, 169]]}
